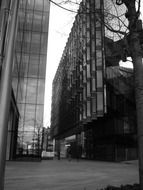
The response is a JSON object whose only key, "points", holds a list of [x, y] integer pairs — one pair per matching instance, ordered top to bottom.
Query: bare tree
{"points": [[132, 45], [34, 140]]}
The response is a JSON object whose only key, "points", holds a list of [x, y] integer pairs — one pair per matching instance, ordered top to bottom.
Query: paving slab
{"points": [[69, 175]]}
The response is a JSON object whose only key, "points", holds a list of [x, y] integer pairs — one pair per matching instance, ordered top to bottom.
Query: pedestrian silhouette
{"points": [[69, 153]]}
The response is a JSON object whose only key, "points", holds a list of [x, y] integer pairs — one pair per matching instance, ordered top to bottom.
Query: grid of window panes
{"points": [[29, 70], [79, 78]]}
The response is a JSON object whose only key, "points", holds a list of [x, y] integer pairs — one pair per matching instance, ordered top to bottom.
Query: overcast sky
{"points": [[59, 28]]}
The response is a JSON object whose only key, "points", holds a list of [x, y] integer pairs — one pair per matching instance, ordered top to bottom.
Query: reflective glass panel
{"points": [[30, 4], [97, 4], [38, 5], [46, 5], [28, 21], [37, 22], [98, 38], [44, 44], [88, 53], [98, 57], [93, 63], [24, 65], [33, 66], [88, 70], [99, 78], [93, 84], [88, 89], [22, 90], [31, 91], [40, 92], [84, 93], [99, 101], [94, 105], [21, 108], [88, 108], [84, 111], [29, 113], [39, 113]]}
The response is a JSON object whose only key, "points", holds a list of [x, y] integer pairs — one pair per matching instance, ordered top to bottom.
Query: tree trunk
{"points": [[138, 78]]}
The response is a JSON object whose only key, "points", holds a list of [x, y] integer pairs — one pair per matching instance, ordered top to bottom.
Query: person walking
{"points": [[69, 153]]}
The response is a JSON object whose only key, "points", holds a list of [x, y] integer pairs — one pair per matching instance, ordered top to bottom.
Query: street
{"points": [[69, 175]]}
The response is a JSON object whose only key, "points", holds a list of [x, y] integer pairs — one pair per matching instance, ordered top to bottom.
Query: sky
{"points": [[60, 25], [59, 28]]}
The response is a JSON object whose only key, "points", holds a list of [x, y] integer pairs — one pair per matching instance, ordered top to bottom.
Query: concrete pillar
{"points": [[5, 82]]}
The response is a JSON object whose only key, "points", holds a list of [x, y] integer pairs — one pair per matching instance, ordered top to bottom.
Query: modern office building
{"points": [[29, 71], [28, 77], [93, 99]]}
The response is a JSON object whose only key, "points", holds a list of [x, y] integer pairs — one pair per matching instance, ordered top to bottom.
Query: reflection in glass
{"points": [[39, 5], [97, 5], [37, 22], [98, 38], [88, 53], [99, 57], [31, 65], [88, 70], [99, 78], [93, 84], [41, 88], [88, 89], [31, 91], [84, 93], [99, 101], [94, 105], [88, 108], [84, 111], [29, 112], [39, 113]]}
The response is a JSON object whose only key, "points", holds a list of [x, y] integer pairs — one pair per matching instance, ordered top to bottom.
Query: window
{"points": [[97, 4], [38, 5], [37, 22], [98, 38], [88, 53], [99, 57], [33, 66], [88, 70], [99, 78], [93, 84], [88, 89], [31, 91], [40, 92], [99, 101], [94, 105], [88, 109], [84, 111], [29, 113], [39, 113]]}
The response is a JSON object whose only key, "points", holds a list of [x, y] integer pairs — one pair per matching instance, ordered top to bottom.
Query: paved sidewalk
{"points": [[65, 175]]}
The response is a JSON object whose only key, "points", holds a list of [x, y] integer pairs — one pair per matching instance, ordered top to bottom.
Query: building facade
{"points": [[29, 71], [28, 76], [91, 92]]}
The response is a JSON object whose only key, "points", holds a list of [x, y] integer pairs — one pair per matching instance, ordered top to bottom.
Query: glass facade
{"points": [[29, 70], [79, 78], [92, 95]]}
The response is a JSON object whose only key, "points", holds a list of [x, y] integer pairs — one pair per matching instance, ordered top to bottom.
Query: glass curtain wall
{"points": [[29, 72], [79, 78]]}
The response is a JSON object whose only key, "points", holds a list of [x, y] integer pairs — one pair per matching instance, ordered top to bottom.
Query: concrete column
{"points": [[5, 84]]}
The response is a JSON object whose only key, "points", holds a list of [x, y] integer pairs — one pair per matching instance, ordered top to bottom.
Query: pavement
{"points": [[69, 175]]}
